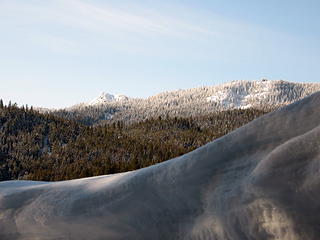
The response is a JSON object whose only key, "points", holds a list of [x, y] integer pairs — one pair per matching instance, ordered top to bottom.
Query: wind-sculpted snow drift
{"points": [[259, 182]]}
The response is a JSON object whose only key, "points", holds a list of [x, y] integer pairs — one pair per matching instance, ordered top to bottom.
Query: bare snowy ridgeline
{"points": [[196, 101], [258, 182]]}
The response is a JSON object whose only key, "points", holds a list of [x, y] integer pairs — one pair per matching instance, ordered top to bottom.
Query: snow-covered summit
{"points": [[235, 94], [241, 94], [104, 98]]}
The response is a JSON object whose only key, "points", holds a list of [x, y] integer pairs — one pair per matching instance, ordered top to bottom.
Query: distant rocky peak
{"points": [[104, 98]]}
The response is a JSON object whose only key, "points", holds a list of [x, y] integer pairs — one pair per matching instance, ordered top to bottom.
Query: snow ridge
{"points": [[235, 94], [241, 94]]}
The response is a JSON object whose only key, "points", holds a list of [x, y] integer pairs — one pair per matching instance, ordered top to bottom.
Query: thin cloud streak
{"points": [[109, 17], [102, 19], [89, 28], [134, 30]]}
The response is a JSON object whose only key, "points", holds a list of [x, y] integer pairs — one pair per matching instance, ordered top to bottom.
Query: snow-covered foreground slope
{"points": [[259, 182]]}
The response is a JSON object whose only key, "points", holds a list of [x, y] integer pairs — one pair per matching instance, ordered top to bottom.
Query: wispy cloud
{"points": [[101, 18], [106, 18], [80, 20], [79, 25]]}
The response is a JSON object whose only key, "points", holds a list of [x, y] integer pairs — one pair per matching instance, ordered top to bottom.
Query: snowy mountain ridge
{"points": [[235, 94], [195, 101]]}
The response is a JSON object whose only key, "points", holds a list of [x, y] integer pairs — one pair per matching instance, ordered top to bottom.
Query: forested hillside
{"points": [[45, 147]]}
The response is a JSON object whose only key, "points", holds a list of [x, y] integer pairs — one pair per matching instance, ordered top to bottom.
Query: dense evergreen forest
{"points": [[39, 146]]}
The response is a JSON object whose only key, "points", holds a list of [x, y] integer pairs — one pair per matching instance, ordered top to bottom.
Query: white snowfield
{"points": [[259, 182]]}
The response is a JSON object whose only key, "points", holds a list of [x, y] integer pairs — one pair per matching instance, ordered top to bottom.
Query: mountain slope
{"points": [[262, 94], [258, 182]]}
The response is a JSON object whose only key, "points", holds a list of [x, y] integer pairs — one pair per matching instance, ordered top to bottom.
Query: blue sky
{"points": [[57, 53]]}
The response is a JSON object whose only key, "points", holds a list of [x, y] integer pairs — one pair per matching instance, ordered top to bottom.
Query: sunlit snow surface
{"points": [[235, 94], [263, 94], [234, 97], [105, 98], [259, 182]]}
